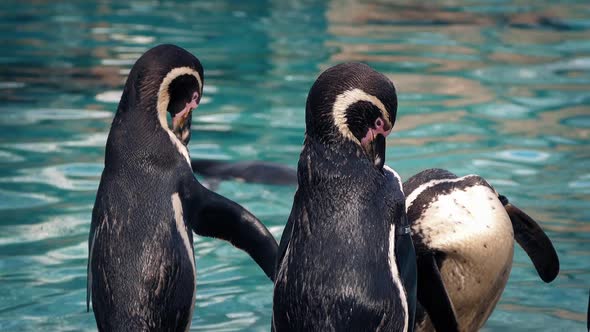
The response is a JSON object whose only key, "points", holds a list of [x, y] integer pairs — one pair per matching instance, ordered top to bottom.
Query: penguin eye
{"points": [[361, 116], [378, 122]]}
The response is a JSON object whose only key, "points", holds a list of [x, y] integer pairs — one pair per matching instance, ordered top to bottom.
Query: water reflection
{"points": [[499, 89]]}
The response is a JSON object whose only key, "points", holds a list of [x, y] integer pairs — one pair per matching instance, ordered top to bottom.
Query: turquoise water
{"points": [[497, 88]]}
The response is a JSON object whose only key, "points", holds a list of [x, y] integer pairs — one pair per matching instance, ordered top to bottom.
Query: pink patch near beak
{"points": [[181, 116], [373, 132]]}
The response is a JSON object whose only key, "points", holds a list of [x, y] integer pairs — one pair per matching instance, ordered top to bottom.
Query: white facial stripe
{"points": [[164, 96], [164, 100], [343, 102], [410, 198], [396, 277]]}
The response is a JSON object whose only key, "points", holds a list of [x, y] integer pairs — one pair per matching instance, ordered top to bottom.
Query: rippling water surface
{"points": [[498, 88]]}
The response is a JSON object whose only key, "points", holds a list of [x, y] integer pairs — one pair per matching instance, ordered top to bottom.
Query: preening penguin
{"points": [[464, 235], [346, 260], [141, 267]]}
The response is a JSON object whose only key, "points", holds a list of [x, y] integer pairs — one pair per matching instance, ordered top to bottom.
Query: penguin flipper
{"points": [[248, 171], [224, 219], [534, 241], [433, 296]]}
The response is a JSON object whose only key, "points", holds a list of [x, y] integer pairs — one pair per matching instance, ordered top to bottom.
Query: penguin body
{"points": [[467, 229], [464, 234], [141, 267], [337, 267]]}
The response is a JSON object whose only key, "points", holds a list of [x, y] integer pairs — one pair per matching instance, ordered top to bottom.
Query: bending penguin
{"points": [[463, 231], [346, 259], [141, 267]]}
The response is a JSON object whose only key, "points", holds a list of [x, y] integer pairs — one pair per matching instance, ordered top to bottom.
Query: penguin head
{"points": [[166, 80], [351, 102]]}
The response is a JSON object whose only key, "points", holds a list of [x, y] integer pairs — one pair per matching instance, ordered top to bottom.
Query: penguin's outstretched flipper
{"points": [[219, 217]]}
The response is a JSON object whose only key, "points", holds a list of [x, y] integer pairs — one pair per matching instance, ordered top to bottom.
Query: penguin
{"points": [[446, 217], [464, 232], [346, 259], [141, 266]]}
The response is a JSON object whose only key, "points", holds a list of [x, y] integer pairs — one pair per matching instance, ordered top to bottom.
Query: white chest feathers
{"points": [[183, 231], [392, 261]]}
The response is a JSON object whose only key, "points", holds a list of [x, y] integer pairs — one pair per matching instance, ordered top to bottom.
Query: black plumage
{"points": [[141, 270], [334, 270]]}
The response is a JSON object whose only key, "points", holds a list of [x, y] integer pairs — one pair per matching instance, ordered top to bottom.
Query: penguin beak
{"points": [[181, 123], [374, 143], [375, 149]]}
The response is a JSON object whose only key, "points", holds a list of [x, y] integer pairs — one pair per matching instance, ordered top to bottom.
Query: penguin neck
{"points": [[137, 137], [334, 160]]}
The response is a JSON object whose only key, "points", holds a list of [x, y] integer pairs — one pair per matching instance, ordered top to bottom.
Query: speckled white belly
{"points": [[472, 227]]}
